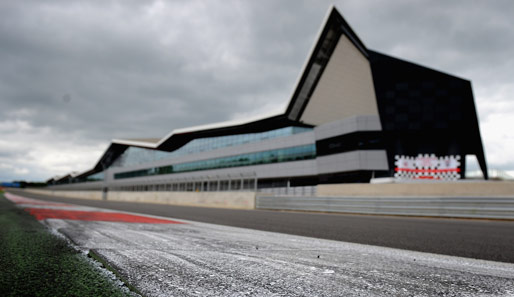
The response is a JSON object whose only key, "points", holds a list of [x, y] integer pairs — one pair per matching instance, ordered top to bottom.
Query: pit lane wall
{"points": [[449, 189], [92, 195], [460, 199], [234, 200]]}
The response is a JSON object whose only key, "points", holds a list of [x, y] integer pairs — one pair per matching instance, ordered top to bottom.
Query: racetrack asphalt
{"points": [[480, 239], [157, 256]]}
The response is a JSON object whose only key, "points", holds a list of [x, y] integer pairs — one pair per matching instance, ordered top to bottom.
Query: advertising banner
{"points": [[428, 167]]}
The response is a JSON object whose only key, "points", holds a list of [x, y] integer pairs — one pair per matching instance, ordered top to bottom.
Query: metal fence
{"points": [[289, 191], [469, 207]]}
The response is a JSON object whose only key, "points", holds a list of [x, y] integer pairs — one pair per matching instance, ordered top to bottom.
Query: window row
{"points": [[304, 152], [134, 155], [194, 186]]}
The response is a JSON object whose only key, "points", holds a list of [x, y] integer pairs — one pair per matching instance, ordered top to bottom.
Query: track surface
{"points": [[481, 239], [188, 258]]}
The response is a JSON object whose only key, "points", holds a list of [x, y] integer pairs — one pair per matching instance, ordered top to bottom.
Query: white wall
{"points": [[345, 88]]}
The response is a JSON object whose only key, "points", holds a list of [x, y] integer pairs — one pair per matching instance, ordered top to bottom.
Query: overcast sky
{"points": [[76, 74]]}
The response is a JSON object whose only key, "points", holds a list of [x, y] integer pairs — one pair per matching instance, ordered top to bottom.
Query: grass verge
{"points": [[34, 262]]}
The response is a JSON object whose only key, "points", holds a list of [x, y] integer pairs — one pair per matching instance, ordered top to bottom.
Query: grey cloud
{"points": [[456, 36], [94, 71], [123, 80]]}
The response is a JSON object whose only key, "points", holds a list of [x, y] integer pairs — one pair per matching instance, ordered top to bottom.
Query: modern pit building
{"points": [[355, 115]]}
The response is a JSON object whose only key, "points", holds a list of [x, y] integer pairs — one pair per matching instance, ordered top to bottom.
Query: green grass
{"points": [[34, 262]]}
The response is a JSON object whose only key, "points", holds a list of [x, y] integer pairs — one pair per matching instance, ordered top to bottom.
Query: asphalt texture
{"points": [[479, 239], [156, 256]]}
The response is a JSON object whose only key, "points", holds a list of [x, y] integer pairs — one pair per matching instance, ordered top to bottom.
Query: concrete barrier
{"points": [[451, 189], [93, 195], [458, 199], [235, 200]]}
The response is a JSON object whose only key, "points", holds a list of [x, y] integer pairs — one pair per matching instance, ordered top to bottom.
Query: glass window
{"points": [[134, 155], [273, 156]]}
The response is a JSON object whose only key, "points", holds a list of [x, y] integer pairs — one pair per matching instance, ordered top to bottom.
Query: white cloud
{"points": [[499, 139], [36, 153], [16, 170]]}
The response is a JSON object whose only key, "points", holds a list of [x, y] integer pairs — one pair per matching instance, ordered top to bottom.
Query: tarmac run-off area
{"points": [[166, 257]]}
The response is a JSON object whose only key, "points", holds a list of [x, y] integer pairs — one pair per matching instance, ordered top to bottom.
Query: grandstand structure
{"points": [[353, 114]]}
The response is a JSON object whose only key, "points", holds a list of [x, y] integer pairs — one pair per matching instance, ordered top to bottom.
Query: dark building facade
{"points": [[424, 111]]}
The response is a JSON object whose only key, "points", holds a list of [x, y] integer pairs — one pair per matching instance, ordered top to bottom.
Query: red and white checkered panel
{"points": [[445, 168]]}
